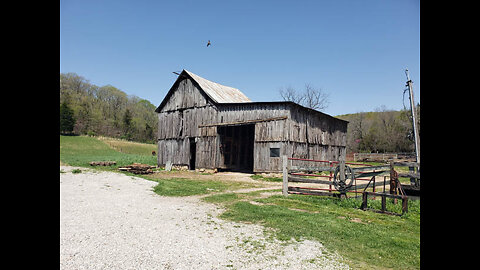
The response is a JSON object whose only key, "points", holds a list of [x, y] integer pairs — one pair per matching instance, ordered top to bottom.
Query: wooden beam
{"points": [[245, 122], [370, 168], [313, 169], [308, 180], [297, 190]]}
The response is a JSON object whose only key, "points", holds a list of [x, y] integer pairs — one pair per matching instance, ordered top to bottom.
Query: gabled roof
{"points": [[216, 92]]}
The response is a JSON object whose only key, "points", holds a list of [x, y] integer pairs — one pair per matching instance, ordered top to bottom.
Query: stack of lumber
{"points": [[102, 163], [138, 168]]}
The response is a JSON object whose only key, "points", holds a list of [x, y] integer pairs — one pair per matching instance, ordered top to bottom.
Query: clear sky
{"points": [[355, 50]]}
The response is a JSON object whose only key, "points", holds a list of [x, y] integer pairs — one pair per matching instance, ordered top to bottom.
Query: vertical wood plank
{"points": [[384, 203], [404, 205]]}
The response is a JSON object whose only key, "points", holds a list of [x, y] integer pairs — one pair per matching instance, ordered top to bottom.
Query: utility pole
{"points": [[412, 108]]}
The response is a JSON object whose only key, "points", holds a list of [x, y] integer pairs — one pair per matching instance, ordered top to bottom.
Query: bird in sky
{"points": [[208, 44]]}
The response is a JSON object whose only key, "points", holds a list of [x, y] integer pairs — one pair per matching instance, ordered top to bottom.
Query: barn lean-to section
{"points": [[203, 124]]}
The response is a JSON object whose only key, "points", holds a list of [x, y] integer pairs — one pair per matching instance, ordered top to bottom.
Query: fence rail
{"points": [[381, 156]]}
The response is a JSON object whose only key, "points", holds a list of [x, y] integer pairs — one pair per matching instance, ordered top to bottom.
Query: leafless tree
{"points": [[314, 98]]}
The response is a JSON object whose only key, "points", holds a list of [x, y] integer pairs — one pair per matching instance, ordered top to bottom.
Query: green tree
{"points": [[67, 120], [127, 125]]}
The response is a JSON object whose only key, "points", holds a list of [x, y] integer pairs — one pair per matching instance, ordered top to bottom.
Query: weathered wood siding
{"points": [[186, 95], [253, 111], [184, 123], [316, 128], [175, 150], [262, 160]]}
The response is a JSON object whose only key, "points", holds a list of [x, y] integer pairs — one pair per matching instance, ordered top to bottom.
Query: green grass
{"points": [[129, 147], [81, 150], [268, 179], [189, 187], [366, 239]]}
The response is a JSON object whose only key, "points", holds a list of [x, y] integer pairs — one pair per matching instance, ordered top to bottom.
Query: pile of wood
{"points": [[102, 163], [138, 168]]}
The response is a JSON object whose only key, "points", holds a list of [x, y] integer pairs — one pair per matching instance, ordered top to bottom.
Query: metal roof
{"points": [[219, 93]]}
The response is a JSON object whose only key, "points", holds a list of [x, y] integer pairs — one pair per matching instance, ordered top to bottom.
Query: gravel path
{"points": [[113, 221]]}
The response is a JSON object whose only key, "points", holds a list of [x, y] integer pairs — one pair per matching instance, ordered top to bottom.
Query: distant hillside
{"points": [[107, 111], [383, 131]]}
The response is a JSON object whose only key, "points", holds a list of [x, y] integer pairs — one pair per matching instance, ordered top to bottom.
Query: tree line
{"points": [[88, 109], [380, 131], [383, 131]]}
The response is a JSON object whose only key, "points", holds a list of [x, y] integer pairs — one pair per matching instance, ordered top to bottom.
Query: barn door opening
{"points": [[236, 147], [193, 153]]}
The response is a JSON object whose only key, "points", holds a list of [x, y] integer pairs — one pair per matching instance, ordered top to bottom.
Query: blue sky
{"points": [[356, 51]]}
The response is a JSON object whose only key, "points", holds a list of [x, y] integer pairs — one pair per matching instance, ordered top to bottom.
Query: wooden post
{"points": [[342, 170], [285, 176], [342, 176], [392, 176], [331, 177], [393, 182], [374, 185], [364, 203], [384, 203], [404, 204]]}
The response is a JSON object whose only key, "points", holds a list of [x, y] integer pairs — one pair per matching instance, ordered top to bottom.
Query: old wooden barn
{"points": [[203, 124]]}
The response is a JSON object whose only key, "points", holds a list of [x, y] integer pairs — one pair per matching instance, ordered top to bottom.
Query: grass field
{"points": [[81, 150], [367, 240]]}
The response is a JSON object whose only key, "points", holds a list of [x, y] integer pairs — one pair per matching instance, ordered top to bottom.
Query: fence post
{"points": [[342, 170], [285, 176], [342, 176], [331, 177], [393, 182], [364, 201], [384, 203], [404, 204]]}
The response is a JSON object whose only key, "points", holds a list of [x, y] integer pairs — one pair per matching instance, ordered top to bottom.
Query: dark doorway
{"points": [[236, 147], [193, 153]]}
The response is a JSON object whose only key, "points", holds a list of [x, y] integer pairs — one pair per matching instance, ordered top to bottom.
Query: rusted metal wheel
{"points": [[343, 186]]}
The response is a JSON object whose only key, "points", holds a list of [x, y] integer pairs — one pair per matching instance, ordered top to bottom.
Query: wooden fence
{"points": [[374, 156], [382, 156], [345, 177]]}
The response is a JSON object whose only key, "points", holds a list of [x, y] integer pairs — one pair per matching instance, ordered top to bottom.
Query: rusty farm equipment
{"points": [[347, 177]]}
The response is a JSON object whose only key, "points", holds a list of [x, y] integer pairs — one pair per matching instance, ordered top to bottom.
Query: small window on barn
{"points": [[274, 152]]}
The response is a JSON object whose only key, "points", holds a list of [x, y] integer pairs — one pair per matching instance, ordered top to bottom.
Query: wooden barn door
{"points": [[236, 147], [193, 153]]}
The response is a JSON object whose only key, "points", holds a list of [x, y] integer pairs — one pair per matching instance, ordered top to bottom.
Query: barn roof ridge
{"points": [[216, 92], [219, 93]]}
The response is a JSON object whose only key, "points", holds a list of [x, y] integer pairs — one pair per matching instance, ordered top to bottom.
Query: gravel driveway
{"points": [[113, 221]]}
